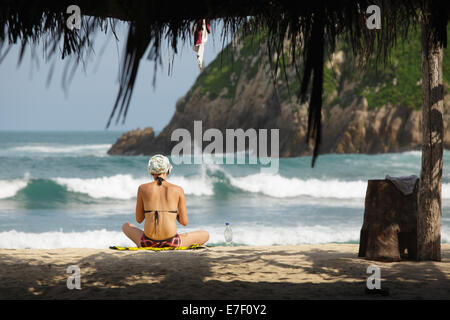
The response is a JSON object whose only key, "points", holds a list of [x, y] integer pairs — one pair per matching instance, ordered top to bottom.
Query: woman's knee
{"points": [[126, 226], [205, 235]]}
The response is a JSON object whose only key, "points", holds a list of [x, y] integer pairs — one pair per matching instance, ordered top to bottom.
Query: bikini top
{"points": [[156, 215]]}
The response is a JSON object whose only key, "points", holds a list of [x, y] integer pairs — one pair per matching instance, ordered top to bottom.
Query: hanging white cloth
{"points": [[200, 30]]}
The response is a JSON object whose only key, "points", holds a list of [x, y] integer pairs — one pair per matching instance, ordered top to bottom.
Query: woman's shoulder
{"points": [[144, 185], [175, 187]]}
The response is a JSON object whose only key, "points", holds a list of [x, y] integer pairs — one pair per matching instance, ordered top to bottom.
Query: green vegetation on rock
{"points": [[398, 82]]}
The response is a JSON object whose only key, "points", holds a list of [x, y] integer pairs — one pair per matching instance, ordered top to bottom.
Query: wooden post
{"points": [[429, 206], [389, 228]]}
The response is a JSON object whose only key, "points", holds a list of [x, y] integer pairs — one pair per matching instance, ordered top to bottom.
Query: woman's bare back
{"points": [[170, 202], [160, 204]]}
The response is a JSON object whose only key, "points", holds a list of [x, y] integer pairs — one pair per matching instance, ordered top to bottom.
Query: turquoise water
{"points": [[61, 189]]}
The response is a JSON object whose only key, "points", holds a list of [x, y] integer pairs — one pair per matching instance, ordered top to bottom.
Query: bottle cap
{"points": [[227, 223]]}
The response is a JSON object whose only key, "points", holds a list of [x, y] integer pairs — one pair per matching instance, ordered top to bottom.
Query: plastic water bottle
{"points": [[228, 235]]}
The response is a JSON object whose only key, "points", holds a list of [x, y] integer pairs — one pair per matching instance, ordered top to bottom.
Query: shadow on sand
{"points": [[273, 274]]}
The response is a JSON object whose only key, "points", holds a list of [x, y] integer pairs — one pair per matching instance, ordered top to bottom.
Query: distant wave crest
{"points": [[49, 149], [207, 183], [125, 186], [118, 187], [282, 187], [9, 188]]}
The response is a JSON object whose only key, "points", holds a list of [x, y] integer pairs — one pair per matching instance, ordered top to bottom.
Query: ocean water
{"points": [[61, 189]]}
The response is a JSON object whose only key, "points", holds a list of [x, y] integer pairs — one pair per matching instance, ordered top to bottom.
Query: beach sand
{"points": [[328, 271]]}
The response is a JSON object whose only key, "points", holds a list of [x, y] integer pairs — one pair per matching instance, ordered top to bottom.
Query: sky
{"points": [[28, 104]]}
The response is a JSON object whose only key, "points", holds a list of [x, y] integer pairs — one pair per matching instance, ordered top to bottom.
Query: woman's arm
{"points": [[182, 211], [140, 215]]}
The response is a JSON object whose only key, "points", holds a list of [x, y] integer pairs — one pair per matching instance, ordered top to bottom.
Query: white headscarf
{"points": [[159, 164]]}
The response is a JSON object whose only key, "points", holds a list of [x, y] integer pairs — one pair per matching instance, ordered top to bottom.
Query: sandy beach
{"points": [[329, 271]]}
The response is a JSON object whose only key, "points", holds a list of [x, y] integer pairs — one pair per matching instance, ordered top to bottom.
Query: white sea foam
{"points": [[90, 149], [416, 153], [121, 186], [125, 186], [201, 186], [282, 187], [9, 188], [445, 191], [445, 234], [244, 235], [255, 235], [289, 235], [99, 239]]}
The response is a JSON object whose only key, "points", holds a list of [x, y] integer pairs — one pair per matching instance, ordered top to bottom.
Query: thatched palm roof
{"points": [[312, 29]]}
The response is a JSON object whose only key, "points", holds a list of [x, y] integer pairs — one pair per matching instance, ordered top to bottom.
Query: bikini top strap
{"points": [[160, 180]]}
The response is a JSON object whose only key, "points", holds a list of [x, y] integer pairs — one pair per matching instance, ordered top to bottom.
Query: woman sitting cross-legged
{"points": [[161, 203]]}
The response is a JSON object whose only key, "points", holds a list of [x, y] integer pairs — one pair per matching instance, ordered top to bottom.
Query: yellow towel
{"points": [[194, 246]]}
